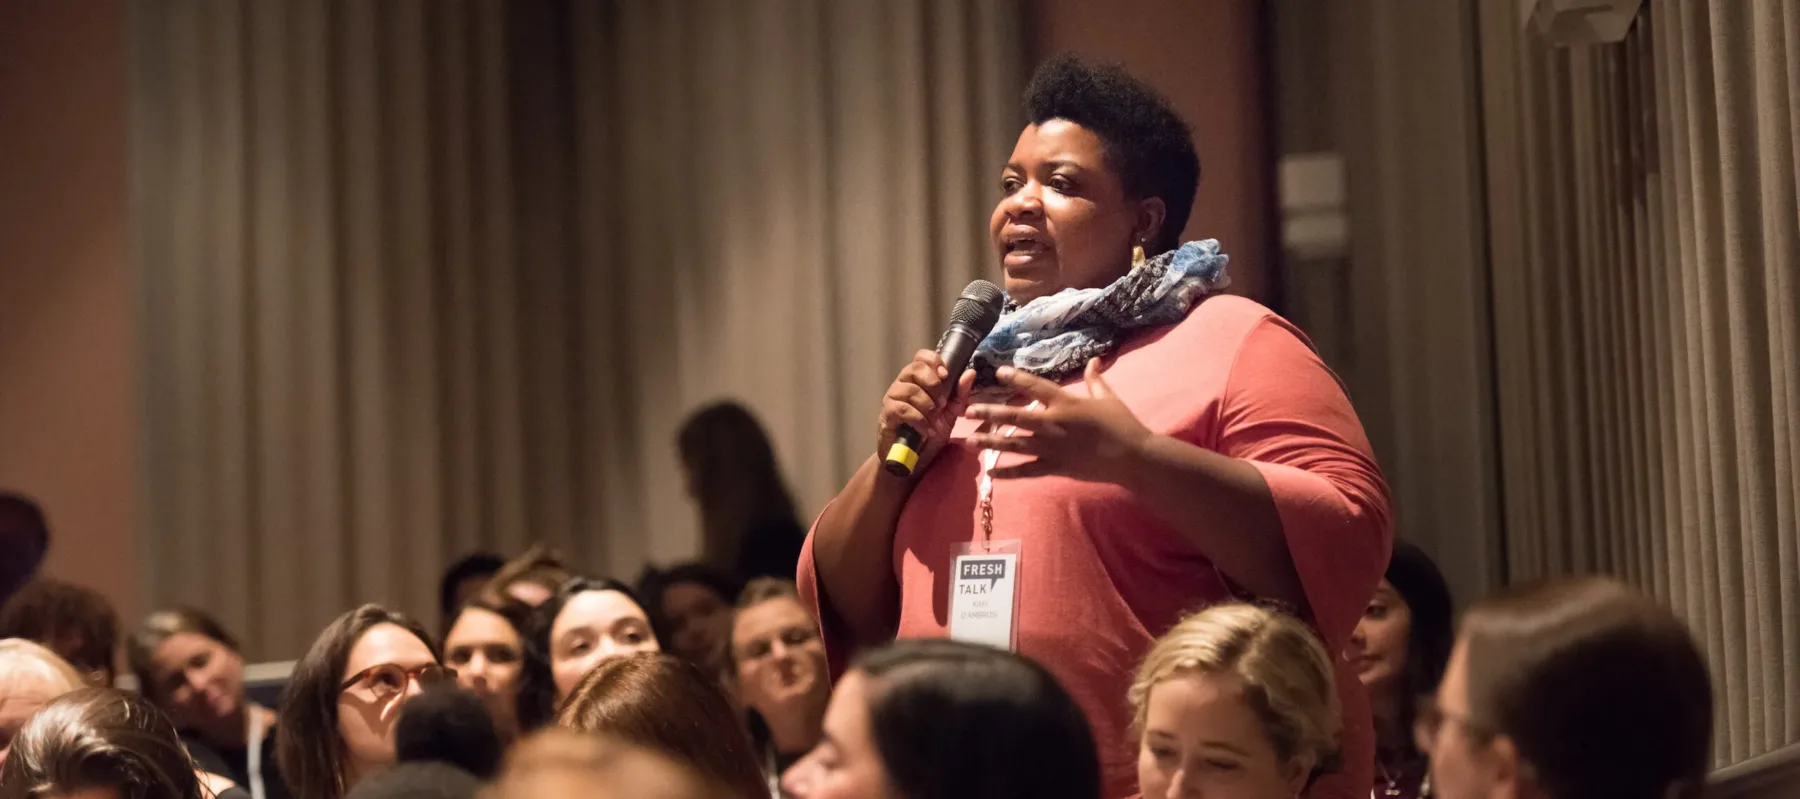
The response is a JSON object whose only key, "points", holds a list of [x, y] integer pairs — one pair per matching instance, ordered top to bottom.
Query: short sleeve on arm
{"points": [[1287, 414], [838, 642]]}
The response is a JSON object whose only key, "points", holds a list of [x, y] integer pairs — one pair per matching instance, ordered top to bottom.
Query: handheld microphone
{"points": [[971, 319], [448, 725]]}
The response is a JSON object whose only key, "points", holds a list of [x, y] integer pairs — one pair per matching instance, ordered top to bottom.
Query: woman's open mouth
{"points": [[1022, 246]]}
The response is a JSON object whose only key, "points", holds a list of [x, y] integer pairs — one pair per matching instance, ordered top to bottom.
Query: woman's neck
{"points": [[1387, 707], [228, 732], [795, 733]]}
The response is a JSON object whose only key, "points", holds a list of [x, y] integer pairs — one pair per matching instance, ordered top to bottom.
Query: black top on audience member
{"points": [[747, 518], [24, 541], [465, 579], [70, 620], [191, 667], [1570, 690], [948, 718], [99, 739], [316, 759]]}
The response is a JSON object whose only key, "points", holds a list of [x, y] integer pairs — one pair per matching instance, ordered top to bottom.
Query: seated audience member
{"points": [[748, 523], [24, 541], [531, 578], [465, 579], [692, 611], [74, 622], [586, 622], [489, 645], [1399, 649], [777, 662], [190, 667], [30, 677], [1571, 690], [1238, 701], [340, 707], [672, 707], [925, 718], [451, 726], [102, 742], [561, 764], [418, 781]]}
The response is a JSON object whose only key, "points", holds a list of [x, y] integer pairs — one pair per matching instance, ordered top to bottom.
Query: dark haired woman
{"points": [[1151, 444], [747, 519], [692, 610], [587, 622], [489, 646], [1399, 650], [188, 665], [1571, 690], [340, 707], [673, 707], [926, 718], [102, 742]]}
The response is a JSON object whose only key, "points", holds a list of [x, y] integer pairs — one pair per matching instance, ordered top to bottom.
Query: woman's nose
{"points": [[1026, 202]]}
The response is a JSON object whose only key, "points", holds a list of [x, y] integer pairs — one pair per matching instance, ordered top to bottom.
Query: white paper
{"points": [[981, 598]]}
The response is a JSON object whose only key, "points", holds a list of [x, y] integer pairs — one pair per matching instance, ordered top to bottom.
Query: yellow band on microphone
{"points": [[903, 455]]}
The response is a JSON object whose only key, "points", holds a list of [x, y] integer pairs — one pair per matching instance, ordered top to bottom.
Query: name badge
{"points": [[984, 594]]}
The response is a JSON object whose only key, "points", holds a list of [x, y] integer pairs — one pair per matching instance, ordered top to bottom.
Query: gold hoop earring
{"points": [[1137, 256]]}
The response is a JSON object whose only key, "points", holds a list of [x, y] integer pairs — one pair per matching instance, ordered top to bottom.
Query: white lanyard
{"points": [[984, 487], [255, 735]]}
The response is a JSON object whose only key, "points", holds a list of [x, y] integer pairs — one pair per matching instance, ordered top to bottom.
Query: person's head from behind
{"points": [[1104, 165], [732, 474], [24, 541], [531, 578], [465, 579], [694, 607], [73, 621], [588, 622], [1402, 643], [489, 646], [777, 661], [188, 664], [30, 678], [1571, 689], [1236, 701], [340, 707], [673, 707], [928, 718], [99, 743], [564, 764], [418, 781]]}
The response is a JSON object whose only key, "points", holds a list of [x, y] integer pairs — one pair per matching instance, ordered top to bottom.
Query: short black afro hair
{"points": [[1147, 143]]}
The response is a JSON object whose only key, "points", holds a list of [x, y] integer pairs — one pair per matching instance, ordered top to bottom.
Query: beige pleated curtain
{"points": [[1645, 244], [420, 278]]}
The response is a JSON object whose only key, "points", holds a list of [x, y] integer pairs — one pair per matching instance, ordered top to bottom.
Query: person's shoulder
{"points": [[1221, 323]]}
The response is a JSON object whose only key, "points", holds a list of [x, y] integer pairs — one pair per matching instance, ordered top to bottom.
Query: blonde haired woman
{"points": [[1236, 701]]}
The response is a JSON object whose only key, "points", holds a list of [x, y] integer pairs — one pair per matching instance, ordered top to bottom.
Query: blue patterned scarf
{"points": [[1053, 337]]}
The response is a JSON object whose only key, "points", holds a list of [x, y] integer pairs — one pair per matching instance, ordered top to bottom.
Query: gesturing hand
{"points": [[1093, 437]]}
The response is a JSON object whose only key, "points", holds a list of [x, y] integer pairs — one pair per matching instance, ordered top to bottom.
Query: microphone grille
{"points": [[979, 306]]}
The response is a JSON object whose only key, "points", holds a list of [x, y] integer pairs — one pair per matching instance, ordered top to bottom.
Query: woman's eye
{"points": [[1061, 184], [1010, 185], [1376, 612], [797, 637], [503, 655], [460, 657], [200, 660], [385, 679], [1162, 753], [1221, 765]]}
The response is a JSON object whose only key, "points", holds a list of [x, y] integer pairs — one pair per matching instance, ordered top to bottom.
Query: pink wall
{"points": [[1206, 56], [68, 420]]}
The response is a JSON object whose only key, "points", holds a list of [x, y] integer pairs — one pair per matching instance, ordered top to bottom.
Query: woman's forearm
{"points": [[1223, 506], [853, 552]]}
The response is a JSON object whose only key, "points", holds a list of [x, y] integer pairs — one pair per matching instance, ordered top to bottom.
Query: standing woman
{"points": [[1153, 445], [747, 519], [1400, 649], [190, 667], [340, 708]]}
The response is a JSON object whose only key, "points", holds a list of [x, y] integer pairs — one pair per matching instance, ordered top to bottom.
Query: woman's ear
{"points": [[1151, 212], [1299, 772]]}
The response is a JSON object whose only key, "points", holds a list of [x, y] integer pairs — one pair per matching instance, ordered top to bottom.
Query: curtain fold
{"points": [[1646, 229], [421, 278]]}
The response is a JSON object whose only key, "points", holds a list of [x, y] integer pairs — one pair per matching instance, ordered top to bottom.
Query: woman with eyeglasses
{"points": [[777, 661], [189, 666], [341, 705]]}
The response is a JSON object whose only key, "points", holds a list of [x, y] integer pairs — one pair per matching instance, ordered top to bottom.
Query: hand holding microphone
{"points": [[929, 394]]}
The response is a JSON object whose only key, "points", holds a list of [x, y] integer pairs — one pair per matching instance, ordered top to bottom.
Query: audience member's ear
{"points": [[1298, 771], [1510, 774]]}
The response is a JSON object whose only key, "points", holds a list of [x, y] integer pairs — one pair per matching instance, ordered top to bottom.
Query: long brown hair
{"points": [[736, 480], [1601, 689], [667, 704], [99, 737], [310, 750]]}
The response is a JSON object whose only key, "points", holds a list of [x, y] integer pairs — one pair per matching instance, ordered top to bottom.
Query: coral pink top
{"points": [[1101, 576]]}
